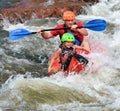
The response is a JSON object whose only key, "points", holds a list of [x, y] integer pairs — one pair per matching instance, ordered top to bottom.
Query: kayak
{"points": [[74, 65]]}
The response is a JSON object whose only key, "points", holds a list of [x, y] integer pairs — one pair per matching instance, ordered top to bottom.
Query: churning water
{"points": [[23, 66]]}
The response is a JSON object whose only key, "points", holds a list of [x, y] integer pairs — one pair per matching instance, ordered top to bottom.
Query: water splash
{"points": [[97, 89]]}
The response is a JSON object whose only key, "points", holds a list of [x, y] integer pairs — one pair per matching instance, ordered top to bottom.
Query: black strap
{"points": [[65, 30], [81, 59], [66, 63]]}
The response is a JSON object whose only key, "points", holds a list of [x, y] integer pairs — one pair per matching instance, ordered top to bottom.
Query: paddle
{"points": [[95, 25]]}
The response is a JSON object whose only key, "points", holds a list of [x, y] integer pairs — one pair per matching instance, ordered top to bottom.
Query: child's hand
{"points": [[49, 68]]}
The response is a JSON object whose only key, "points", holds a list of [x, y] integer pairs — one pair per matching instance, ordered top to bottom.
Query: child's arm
{"points": [[85, 45], [78, 47], [82, 47], [54, 57]]}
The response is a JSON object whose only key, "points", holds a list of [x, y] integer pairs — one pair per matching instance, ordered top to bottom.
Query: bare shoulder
{"points": [[59, 50]]}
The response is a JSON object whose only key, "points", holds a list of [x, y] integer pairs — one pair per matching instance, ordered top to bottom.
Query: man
{"points": [[69, 21]]}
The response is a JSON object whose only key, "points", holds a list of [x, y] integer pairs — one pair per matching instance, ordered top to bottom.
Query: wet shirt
{"points": [[77, 35]]}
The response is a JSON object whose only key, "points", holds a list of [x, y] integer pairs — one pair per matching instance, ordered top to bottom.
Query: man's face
{"points": [[69, 23]]}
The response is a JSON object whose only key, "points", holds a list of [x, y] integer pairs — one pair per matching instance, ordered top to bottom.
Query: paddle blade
{"points": [[96, 25], [18, 33]]}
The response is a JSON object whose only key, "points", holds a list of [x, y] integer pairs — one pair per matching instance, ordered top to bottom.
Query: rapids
{"points": [[25, 86]]}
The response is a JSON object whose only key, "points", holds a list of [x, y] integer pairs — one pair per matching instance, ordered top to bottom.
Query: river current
{"points": [[24, 84]]}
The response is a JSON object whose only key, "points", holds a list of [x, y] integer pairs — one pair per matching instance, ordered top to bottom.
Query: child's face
{"points": [[68, 44]]}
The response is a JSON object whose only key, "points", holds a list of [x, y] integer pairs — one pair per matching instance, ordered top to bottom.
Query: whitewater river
{"points": [[25, 86]]}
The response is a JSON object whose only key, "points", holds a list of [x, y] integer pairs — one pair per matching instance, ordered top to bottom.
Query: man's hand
{"points": [[74, 27], [39, 31]]}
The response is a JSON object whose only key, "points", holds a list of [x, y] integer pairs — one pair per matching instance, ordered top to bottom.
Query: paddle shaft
{"points": [[89, 27], [56, 29]]}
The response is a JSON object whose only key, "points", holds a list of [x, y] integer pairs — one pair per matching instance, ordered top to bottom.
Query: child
{"points": [[66, 51]]}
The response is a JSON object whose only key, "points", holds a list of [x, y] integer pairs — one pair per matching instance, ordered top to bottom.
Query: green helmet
{"points": [[67, 37]]}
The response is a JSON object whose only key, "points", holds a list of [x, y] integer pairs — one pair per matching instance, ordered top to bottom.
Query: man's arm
{"points": [[82, 31], [45, 35]]}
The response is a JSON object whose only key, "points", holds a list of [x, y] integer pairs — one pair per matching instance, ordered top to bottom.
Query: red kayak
{"points": [[74, 66]]}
